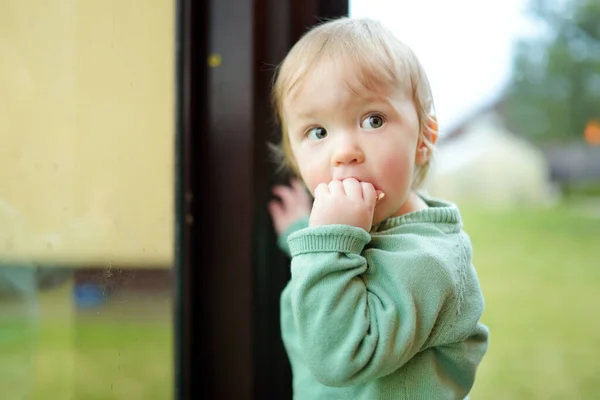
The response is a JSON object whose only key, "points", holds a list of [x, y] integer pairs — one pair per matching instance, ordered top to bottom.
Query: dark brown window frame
{"points": [[229, 272]]}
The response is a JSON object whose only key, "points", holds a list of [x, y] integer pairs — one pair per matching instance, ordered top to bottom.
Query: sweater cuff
{"points": [[328, 238]]}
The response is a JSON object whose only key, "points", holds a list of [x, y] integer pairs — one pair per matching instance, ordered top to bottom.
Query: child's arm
{"points": [[358, 322]]}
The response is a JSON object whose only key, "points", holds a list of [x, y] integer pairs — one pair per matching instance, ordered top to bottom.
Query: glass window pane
{"points": [[86, 199]]}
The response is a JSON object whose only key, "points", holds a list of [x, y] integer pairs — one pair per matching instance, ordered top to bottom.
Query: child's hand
{"points": [[347, 202], [295, 203]]}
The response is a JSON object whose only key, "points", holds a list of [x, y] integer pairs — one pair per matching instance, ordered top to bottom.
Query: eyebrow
{"points": [[308, 113]]}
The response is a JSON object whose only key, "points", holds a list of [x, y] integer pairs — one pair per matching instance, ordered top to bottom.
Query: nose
{"points": [[347, 151]]}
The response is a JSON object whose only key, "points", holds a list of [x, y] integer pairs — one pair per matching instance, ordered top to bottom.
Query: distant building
{"points": [[482, 162]]}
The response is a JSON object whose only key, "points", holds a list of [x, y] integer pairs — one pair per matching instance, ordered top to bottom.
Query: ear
{"points": [[429, 135]]}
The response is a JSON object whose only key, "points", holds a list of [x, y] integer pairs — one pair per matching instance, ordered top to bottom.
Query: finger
{"points": [[336, 187], [353, 188], [321, 190], [368, 193]]}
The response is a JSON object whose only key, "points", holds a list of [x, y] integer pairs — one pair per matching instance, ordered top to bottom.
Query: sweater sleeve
{"points": [[359, 321]]}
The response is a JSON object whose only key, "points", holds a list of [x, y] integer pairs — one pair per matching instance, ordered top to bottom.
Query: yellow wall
{"points": [[86, 131]]}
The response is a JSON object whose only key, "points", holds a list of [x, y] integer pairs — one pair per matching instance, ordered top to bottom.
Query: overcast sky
{"points": [[466, 46]]}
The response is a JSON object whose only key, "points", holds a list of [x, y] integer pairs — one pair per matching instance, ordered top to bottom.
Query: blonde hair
{"points": [[376, 55]]}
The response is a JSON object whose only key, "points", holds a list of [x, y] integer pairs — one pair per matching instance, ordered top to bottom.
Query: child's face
{"points": [[336, 133]]}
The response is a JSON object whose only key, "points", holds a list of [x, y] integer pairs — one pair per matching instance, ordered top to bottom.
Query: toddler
{"points": [[383, 300]]}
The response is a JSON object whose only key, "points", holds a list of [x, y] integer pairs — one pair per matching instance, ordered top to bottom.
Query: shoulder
{"points": [[429, 254]]}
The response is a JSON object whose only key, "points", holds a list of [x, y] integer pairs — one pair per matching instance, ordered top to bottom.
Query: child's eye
{"points": [[373, 121], [317, 134]]}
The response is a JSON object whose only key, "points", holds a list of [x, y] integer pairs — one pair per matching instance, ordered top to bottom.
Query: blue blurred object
{"points": [[89, 295]]}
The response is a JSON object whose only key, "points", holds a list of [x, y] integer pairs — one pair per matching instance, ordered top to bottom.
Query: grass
{"points": [[539, 271]]}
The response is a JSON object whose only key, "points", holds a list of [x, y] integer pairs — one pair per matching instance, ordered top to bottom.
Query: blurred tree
{"points": [[555, 87]]}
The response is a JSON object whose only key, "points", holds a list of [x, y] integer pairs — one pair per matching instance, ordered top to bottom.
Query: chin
{"points": [[386, 210], [377, 218]]}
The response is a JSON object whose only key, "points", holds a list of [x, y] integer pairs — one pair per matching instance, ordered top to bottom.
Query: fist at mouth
{"points": [[347, 202]]}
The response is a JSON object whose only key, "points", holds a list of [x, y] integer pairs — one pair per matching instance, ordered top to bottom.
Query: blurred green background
{"points": [[540, 272]]}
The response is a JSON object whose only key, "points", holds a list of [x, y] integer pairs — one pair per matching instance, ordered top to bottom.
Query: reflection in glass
{"points": [[86, 137]]}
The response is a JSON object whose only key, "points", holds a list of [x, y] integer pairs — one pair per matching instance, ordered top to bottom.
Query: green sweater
{"points": [[390, 314]]}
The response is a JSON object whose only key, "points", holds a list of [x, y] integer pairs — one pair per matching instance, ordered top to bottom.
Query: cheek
{"points": [[397, 168], [313, 172], [313, 176]]}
